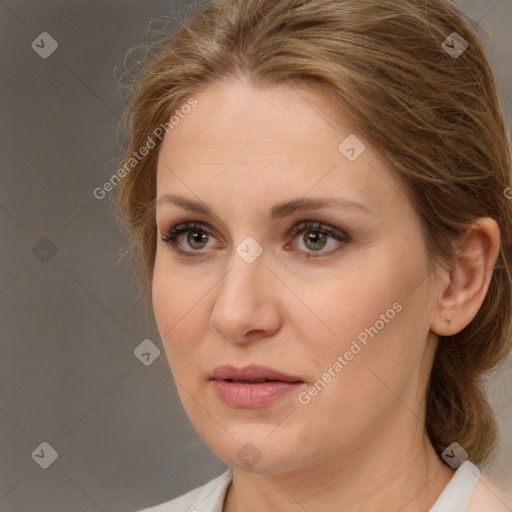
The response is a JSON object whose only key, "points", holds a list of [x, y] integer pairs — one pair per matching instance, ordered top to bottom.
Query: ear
{"points": [[466, 284]]}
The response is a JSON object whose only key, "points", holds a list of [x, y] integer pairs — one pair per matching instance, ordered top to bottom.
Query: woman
{"points": [[323, 233]]}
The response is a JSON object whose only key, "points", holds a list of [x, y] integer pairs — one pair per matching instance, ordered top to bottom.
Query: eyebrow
{"points": [[278, 211]]}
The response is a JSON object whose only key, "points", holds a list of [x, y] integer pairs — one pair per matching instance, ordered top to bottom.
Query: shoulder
{"points": [[490, 495], [206, 498]]}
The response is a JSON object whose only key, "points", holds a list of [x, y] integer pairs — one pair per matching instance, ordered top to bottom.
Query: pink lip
{"points": [[247, 395]]}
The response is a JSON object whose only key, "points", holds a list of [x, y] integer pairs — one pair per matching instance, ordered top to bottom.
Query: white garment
{"points": [[210, 496]]}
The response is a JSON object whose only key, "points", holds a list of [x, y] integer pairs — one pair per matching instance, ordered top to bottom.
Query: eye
{"points": [[197, 235], [315, 239]]}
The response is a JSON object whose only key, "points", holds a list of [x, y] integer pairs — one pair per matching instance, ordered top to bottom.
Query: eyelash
{"points": [[169, 237]]}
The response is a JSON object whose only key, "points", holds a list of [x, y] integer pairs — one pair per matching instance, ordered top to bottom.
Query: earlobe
{"points": [[469, 278]]}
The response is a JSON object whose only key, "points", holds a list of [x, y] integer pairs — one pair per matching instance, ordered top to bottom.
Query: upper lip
{"points": [[251, 372]]}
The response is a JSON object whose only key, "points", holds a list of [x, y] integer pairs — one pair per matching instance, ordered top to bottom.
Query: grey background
{"points": [[69, 325]]}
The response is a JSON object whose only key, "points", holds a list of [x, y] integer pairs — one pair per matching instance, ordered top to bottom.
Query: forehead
{"points": [[250, 144]]}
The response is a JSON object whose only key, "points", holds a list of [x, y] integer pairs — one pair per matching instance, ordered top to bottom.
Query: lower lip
{"points": [[252, 396]]}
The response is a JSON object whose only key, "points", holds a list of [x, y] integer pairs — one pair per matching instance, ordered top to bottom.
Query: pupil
{"points": [[193, 236], [314, 239]]}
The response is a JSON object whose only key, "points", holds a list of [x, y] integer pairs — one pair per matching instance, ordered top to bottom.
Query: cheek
{"points": [[176, 303], [342, 307], [374, 313], [378, 358]]}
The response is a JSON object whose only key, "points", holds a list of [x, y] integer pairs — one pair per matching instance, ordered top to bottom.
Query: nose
{"points": [[246, 307]]}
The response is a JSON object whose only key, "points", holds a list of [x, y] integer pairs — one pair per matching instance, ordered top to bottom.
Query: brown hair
{"points": [[438, 120]]}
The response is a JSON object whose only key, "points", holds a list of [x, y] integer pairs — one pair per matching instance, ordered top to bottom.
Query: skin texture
{"points": [[360, 443], [491, 495]]}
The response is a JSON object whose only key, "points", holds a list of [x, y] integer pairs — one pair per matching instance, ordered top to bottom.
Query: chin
{"points": [[256, 448]]}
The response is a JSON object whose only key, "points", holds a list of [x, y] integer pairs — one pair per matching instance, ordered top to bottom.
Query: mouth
{"points": [[251, 374], [250, 381], [252, 386]]}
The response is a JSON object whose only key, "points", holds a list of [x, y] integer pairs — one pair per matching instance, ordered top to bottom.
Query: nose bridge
{"points": [[246, 268], [243, 302]]}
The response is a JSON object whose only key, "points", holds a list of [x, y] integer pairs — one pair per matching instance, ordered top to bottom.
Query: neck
{"points": [[401, 473]]}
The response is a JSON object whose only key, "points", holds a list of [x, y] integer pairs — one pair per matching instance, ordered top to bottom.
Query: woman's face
{"points": [[350, 324]]}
